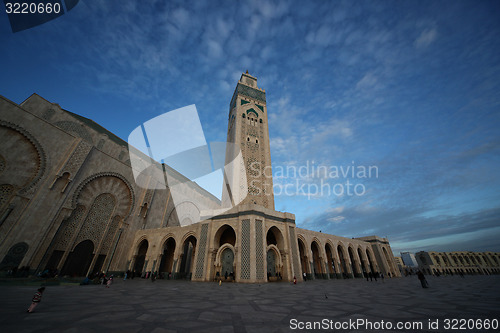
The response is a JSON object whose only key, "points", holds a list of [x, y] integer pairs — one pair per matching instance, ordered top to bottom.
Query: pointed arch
{"points": [[106, 182]]}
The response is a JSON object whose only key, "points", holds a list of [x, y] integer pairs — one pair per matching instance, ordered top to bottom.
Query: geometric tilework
{"points": [[251, 92], [48, 114], [80, 131], [77, 158], [3, 164], [6, 192], [97, 219], [68, 228], [106, 244], [245, 249], [259, 251], [200, 262]]}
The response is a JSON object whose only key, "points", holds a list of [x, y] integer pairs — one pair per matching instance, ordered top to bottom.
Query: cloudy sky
{"points": [[409, 88]]}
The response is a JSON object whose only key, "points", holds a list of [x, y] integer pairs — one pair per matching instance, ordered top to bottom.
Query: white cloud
{"points": [[271, 9], [322, 37], [426, 38], [214, 49], [368, 81], [336, 210], [336, 219]]}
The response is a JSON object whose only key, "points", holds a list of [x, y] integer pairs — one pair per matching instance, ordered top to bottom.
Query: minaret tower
{"points": [[248, 127]]}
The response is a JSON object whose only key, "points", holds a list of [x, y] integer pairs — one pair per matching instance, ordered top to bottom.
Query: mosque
{"points": [[75, 198]]}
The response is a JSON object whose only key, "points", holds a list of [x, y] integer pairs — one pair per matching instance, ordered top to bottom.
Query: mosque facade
{"points": [[70, 202]]}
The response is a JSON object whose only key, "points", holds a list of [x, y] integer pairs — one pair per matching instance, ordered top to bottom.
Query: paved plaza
{"points": [[181, 306]]}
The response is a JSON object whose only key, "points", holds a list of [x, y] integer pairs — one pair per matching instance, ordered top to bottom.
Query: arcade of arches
{"points": [[223, 250], [460, 262]]}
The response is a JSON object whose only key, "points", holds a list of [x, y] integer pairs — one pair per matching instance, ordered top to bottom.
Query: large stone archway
{"points": [[100, 203], [225, 235], [224, 238], [276, 243], [316, 256], [167, 257], [140, 258], [187, 258], [304, 258], [79, 260], [371, 261], [344, 262], [364, 262], [355, 265], [331, 270]]}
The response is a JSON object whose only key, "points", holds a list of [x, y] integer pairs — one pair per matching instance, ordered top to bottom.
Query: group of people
{"points": [[19, 272], [147, 275], [226, 275], [277, 275], [376, 275]]}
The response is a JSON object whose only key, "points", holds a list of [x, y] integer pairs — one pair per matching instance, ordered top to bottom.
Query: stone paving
{"points": [[181, 306]]}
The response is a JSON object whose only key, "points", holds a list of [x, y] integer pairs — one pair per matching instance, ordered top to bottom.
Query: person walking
{"points": [[422, 279], [110, 281], [37, 298]]}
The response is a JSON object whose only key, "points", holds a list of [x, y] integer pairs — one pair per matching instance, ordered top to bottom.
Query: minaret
{"points": [[248, 127]]}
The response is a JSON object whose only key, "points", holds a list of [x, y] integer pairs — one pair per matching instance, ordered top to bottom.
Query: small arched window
{"points": [[243, 115], [260, 121], [256, 141]]}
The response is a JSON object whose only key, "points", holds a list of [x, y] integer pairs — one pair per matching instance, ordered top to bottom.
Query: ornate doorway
{"points": [[227, 260], [271, 263]]}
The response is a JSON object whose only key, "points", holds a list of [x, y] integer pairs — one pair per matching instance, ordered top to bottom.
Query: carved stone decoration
{"points": [[47, 115], [79, 130], [100, 144], [24, 159], [76, 159], [3, 164], [106, 182], [6, 192], [146, 203], [97, 219], [68, 228], [110, 235], [245, 249], [259, 250], [14, 257]]}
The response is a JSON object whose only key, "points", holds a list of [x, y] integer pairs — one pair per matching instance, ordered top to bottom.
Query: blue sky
{"points": [[411, 87]]}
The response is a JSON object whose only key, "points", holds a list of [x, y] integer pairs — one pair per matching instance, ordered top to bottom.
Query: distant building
{"points": [[409, 259], [465, 262], [400, 264]]}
